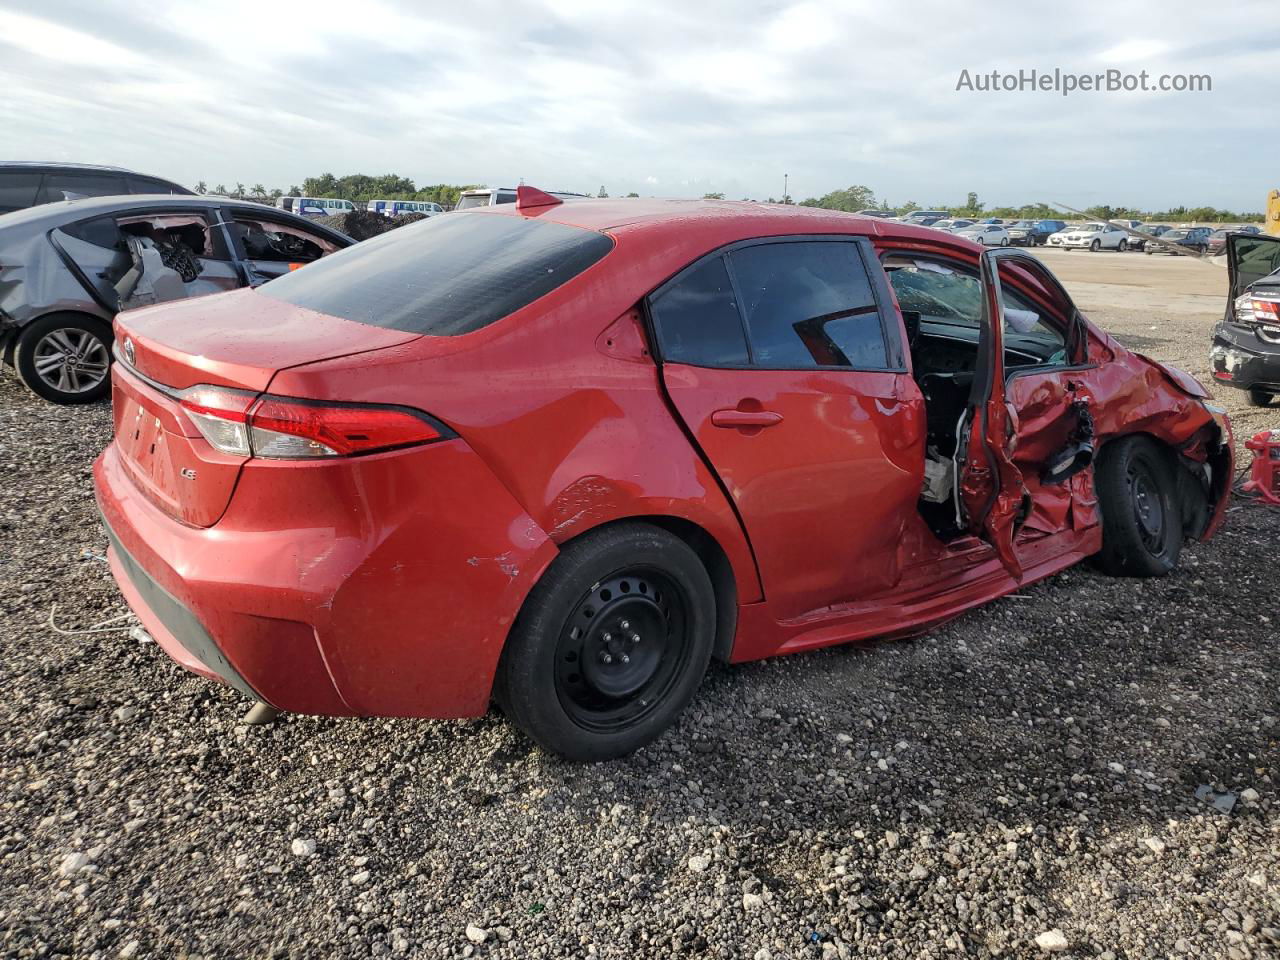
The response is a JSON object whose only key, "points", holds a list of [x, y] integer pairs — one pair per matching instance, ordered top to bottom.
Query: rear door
{"points": [[783, 364]]}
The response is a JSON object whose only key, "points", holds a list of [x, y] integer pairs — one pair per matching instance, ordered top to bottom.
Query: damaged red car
{"points": [[560, 455]]}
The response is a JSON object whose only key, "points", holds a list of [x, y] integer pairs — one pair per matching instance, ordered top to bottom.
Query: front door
{"points": [[785, 366]]}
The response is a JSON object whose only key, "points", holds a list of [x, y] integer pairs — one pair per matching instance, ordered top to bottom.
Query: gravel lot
{"points": [[1027, 772]]}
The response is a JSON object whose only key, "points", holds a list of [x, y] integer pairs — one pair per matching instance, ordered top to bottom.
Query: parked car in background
{"points": [[25, 184], [492, 196], [286, 203], [322, 206], [393, 208], [878, 214], [923, 218], [996, 220], [1128, 224], [951, 225], [1033, 233], [987, 234], [1091, 236], [1179, 239], [1218, 239], [1139, 242], [67, 268], [1246, 343], [316, 495]]}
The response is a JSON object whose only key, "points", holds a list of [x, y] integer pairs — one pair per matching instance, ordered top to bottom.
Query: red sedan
{"points": [[562, 454]]}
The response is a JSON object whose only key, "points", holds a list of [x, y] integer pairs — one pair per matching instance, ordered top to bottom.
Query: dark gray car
{"points": [[25, 184], [67, 268]]}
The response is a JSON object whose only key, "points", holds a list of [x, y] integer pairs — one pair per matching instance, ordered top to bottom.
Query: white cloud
{"points": [[717, 95]]}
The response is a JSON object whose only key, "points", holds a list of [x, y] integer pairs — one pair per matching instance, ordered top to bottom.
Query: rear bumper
{"points": [[1244, 361], [378, 586]]}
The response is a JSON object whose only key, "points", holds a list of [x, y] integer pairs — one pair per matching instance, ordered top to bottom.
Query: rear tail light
{"points": [[284, 428]]}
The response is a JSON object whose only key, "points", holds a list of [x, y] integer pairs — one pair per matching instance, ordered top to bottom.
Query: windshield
{"points": [[474, 200], [443, 276]]}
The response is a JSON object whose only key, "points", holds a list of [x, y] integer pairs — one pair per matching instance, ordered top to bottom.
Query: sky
{"points": [[663, 99]]}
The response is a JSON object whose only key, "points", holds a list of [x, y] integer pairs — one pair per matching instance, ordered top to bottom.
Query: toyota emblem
{"points": [[128, 351]]}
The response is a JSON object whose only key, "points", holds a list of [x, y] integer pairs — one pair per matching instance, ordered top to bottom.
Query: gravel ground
{"points": [[1018, 783]]}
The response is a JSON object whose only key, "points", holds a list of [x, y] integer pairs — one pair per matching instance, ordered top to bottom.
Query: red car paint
{"points": [[387, 584]]}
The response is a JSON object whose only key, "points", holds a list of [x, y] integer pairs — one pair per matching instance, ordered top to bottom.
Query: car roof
{"points": [[64, 165], [714, 223]]}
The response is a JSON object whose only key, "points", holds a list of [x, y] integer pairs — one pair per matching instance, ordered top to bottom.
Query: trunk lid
{"points": [[238, 340]]}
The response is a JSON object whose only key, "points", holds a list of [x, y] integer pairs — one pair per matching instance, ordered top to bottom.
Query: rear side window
{"points": [[18, 190], [444, 276], [809, 304], [697, 318]]}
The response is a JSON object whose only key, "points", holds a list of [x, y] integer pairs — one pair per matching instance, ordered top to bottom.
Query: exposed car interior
{"points": [[277, 242], [168, 254], [941, 302]]}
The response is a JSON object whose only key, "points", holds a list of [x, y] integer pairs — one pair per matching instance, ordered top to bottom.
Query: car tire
{"points": [[1004, 241], [1095, 246], [1122, 246], [65, 358], [1257, 397], [1141, 518], [574, 677]]}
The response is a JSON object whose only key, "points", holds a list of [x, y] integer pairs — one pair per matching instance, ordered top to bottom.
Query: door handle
{"points": [[745, 418]]}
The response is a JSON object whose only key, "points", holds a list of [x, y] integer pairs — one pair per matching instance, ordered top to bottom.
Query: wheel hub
{"points": [[1147, 506], [620, 649]]}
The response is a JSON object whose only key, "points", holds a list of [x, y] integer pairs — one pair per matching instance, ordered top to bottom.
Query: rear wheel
{"points": [[1122, 246], [65, 358], [1257, 397], [1141, 519], [611, 644]]}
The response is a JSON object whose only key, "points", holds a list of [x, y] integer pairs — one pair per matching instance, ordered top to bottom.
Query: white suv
{"points": [[1091, 236]]}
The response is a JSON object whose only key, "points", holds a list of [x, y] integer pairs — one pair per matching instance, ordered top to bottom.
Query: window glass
{"points": [[147, 185], [74, 186], [18, 190], [101, 232], [444, 276], [952, 296], [809, 304], [697, 318]]}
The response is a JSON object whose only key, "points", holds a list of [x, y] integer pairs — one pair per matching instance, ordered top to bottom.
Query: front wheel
{"points": [[1004, 241], [1095, 246], [1122, 246], [65, 358], [1257, 397], [1141, 517], [610, 645]]}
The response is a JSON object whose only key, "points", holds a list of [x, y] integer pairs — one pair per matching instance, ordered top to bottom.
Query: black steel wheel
{"points": [[1142, 524], [611, 644], [621, 649]]}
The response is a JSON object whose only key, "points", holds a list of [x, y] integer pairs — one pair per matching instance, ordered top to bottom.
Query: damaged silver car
{"points": [[67, 268]]}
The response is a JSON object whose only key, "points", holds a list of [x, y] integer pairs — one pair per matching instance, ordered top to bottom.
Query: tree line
{"points": [[361, 188], [862, 198]]}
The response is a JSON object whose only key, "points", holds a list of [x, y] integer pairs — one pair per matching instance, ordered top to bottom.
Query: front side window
{"points": [[279, 243], [948, 295], [809, 304]]}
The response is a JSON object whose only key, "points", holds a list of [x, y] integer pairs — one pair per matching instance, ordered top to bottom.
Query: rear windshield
{"points": [[443, 276]]}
